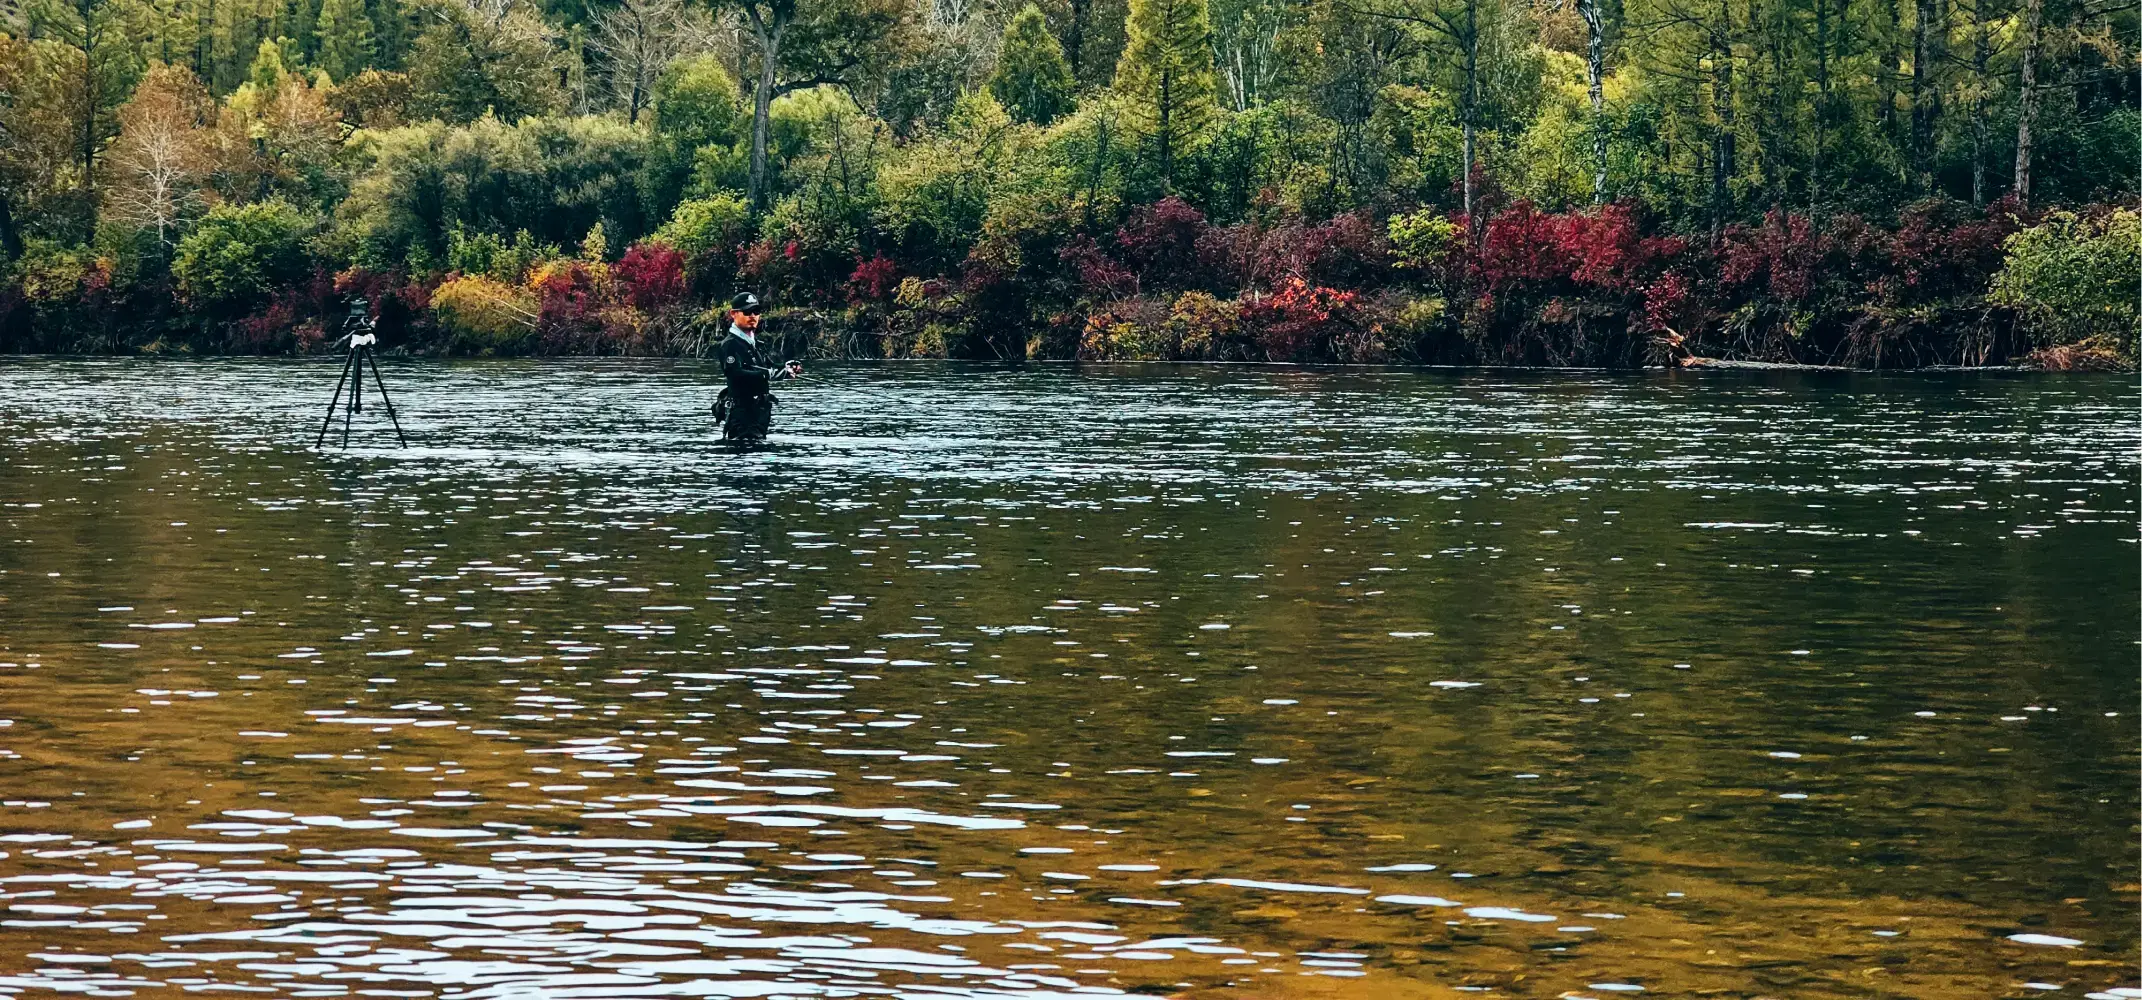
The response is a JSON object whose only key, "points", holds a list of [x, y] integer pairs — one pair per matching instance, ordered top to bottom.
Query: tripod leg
{"points": [[382, 384], [356, 401], [333, 402]]}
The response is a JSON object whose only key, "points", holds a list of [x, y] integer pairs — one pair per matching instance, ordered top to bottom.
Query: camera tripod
{"points": [[353, 368]]}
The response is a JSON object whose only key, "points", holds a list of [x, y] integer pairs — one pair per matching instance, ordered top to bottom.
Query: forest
{"points": [[1871, 183]]}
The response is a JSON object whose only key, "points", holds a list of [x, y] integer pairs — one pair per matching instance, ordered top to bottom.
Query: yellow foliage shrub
{"points": [[483, 314]]}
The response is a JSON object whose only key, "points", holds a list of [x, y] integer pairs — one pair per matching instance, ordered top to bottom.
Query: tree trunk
{"points": [[2033, 29], [769, 37], [1075, 38], [1981, 54], [1595, 66], [1892, 68], [1922, 95], [1822, 105], [1722, 106], [1469, 112], [1774, 136], [1100, 156], [1167, 160], [10, 236]]}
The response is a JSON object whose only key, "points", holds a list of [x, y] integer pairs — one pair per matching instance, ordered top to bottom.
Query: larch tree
{"points": [[1463, 29], [345, 32], [485, 56], [101, 69], [266, 73], [1167, 78], [1033, 80], [36, 143]]}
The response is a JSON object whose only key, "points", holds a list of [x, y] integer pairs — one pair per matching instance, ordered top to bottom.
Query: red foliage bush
{"points": [[1161, 242], [1348, 250], [1604, 251], [1521, 252], [1934, 254], [1783, 258], [652, 275], [1099, 275], [873, 281], [567, 307], [1299, 321], [267, 329]]}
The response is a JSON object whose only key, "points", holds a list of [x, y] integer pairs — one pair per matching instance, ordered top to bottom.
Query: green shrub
{"points": [[556, 177], [704, 227], [1420, 240], [236, 254], [492, 255], [2076, 276]]}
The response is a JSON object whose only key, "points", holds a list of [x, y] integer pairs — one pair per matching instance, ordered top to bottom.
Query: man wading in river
{"points": [[745, 407]]}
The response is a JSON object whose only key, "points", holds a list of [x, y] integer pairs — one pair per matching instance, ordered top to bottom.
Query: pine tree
{"points": [[301, 24], [391, 33], [345, 39], [99, 63], [266, 74], [1167, 76], [1032, 81]]}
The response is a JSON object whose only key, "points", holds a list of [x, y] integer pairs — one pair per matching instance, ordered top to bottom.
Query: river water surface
{"points": [[1061, 682]]}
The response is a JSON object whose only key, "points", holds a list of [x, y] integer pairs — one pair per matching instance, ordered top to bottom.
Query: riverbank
{"points": [[1944, 286], [815, 336]]}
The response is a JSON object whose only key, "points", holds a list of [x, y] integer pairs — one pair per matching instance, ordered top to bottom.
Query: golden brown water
{"points": [[1057, 683]]}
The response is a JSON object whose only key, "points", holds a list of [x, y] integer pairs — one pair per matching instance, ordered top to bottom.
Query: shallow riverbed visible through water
{"points": [[1052, 682]]}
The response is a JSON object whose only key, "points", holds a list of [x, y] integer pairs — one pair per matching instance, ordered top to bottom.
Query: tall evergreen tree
{"points": [[301, 25], [391, 33], [345, 39], [101, 65], [266, 73], [1167, 77], [1033, 80]]}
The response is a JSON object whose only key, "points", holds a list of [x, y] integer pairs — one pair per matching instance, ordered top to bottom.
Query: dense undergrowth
{"points": [[1599, 287]]}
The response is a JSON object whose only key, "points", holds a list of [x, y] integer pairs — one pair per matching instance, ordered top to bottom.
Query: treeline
{"points": [[1882, 182]]}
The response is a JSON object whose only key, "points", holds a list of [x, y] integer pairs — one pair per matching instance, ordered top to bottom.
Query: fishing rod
{"points": [[829, 385]]}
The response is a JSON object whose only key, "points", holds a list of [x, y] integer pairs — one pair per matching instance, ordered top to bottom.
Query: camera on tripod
{"points": [[361, 334]]}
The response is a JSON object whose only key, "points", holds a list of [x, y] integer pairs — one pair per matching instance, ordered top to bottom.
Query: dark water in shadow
{"points": [[1066, 682]]}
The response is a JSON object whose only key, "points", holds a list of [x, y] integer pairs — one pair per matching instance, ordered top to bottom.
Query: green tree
{"points": [[236, 29], [300, 31], [345, 32], [390, 33], [801, 44], [470, 62], [101, 65], [266, 73], [1167, 76], [1032, 81], [698, 129], [36, 145], [556, 177], [934, 197], [238, 253]]}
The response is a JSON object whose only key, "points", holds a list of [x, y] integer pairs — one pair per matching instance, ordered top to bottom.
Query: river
{"points": [[1052, 682]]}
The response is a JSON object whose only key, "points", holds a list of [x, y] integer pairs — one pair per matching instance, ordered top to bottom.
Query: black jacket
{"points": [[748, 376]]}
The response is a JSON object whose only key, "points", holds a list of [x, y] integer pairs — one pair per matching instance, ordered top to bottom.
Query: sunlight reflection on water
{"points": [[1054, 682]]}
